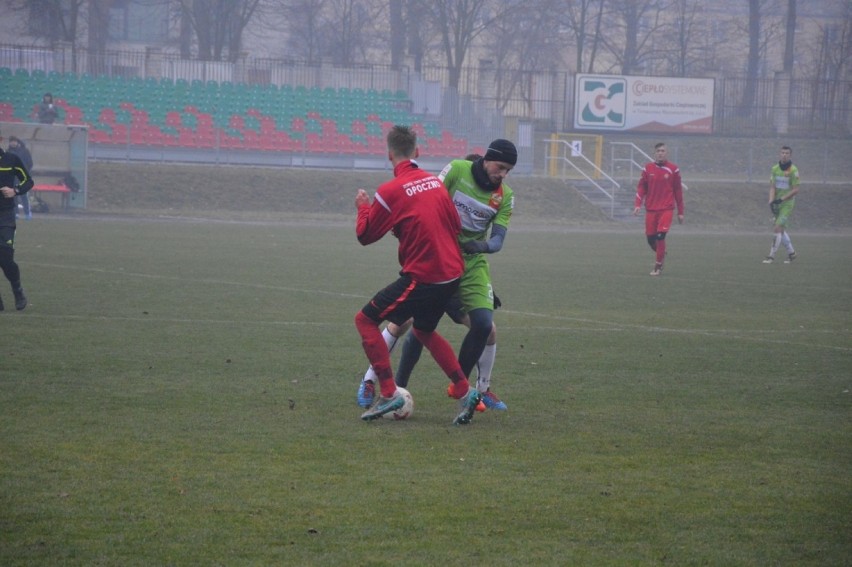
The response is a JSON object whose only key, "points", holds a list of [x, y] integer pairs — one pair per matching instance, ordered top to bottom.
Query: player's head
{"points": [[48, 98], [14, 142], [402, 143], [660, 152], [786, 154], [499, 159]]}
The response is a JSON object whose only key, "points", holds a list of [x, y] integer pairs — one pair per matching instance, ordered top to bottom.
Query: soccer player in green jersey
{"points": [[783, 188]]}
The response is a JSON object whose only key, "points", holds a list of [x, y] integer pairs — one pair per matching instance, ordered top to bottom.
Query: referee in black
{"points": [[14, 180]]}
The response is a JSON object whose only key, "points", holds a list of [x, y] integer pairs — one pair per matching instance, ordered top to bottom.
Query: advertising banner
{"points": [[644, 104]]}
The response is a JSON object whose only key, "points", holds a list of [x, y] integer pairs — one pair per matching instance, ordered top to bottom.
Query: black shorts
{"points": [[406, 298], [454, 309]]}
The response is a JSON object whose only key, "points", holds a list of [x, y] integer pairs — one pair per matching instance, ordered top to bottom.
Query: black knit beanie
{"points": [[502, 150]]}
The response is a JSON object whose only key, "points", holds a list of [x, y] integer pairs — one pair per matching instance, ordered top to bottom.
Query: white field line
{"points": [[736, 334]]}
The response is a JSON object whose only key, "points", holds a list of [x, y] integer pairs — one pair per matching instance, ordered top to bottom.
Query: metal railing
{"points": [[566, 157], [630, 161]]}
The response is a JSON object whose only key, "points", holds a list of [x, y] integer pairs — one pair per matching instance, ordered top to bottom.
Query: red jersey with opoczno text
{"points": [[660, 187], [416, 206]]}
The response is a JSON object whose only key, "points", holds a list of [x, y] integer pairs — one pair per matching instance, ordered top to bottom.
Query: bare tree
{"points": [[583, 18], [53, 21], [301, 21], [459, 23], [218, 25], [349, 27], [632, 27], [687, 27], [397, 32], [98, 35], [790, 36], [525, 42], [753, 61], [830, 69]]}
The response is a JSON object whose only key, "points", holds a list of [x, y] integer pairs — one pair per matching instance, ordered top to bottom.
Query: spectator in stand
{"points": [[47, 113], [18, 148]]}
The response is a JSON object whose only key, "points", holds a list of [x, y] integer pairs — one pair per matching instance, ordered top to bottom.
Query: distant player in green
{"points": [[783, 188]]}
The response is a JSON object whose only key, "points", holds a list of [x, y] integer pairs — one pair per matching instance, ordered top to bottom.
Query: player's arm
{"points": [[25, 182], [794, 187], [771, 188], [677, 189], [641, 190], [373, 220], [491, 246]]}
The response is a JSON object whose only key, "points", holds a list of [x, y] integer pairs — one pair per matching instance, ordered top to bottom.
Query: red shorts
{"points": [[658, 221]]}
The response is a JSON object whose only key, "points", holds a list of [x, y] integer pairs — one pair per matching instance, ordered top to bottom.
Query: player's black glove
{"points": [[775, 206], [474, 247], [497, 303]]}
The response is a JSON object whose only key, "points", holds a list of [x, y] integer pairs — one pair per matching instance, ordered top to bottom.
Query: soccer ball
{"points": [[407, 408]]}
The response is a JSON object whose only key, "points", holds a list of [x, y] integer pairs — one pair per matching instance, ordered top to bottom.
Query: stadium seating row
{"points": [[197, 114]]}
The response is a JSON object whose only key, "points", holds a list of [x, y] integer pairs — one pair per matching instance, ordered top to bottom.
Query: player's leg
{"points": [[783, 219], [661, 222], [651, 229], [651, 235], [777, 236], [788, 245], [660, 257], [10, 267], [477, 298], [387, 304], [426, 318], [391, 335], [474, 341], [479, 347], [412, 348], [485, 364]]}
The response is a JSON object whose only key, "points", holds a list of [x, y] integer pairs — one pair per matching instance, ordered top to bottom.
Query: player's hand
{"points": [[8, 192], [361, 198], [636, 210], [680, 219], [474, 247]]}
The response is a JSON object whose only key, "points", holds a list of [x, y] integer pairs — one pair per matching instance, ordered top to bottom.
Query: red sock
{"points": [[661, 251], [377, 352], [443, 354]]}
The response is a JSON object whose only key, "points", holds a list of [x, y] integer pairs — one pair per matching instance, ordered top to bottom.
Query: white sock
{"points": [[775, 244], [788, 244], [390, 341], [484, 367]]}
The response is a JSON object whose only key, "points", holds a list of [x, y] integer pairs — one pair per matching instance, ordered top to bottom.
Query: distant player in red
{"points": [[660, 189], [416, 207]]}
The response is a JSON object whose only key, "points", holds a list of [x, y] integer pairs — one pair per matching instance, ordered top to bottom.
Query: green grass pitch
{"points": [[183, 393]]}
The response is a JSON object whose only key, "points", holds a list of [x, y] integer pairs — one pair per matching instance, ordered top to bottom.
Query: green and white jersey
{"points": [[784, 181], [477, 209]]}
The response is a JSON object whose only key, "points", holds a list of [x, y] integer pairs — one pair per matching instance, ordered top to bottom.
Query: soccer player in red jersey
{"points": [[660, 188], [416, 207]]}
